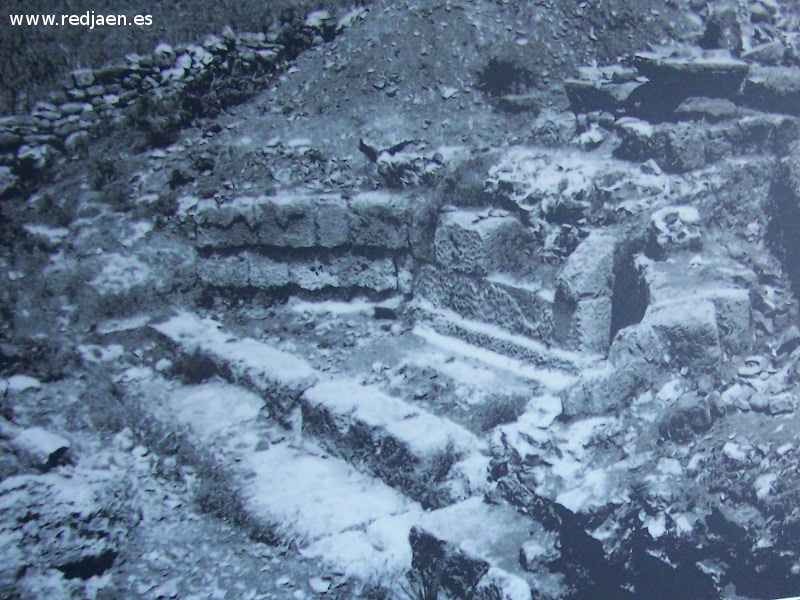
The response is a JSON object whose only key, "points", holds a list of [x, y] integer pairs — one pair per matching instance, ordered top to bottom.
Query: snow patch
{"points": [[53, 235], [120, 274], [335, 307], [119, 325], [263, 363], [551, 379], [20, 383], [424, 433], [734, 451], [763, 485], [656, 526]]}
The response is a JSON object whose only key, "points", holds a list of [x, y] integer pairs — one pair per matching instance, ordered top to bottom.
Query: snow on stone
{"points": [[350, 17], [634, 125], [535, 174], [138, 231], [54, 235], [120, 274], [340, 307], [119, 325], [258, 360], [581, 360], [552, 379], [20, 383], [670, 391], [213, 409], [539, 414], [424, 433], [41, 446], [734, 451], [669, 466], [470, 473], [573, 478], [763, 485], [593, 491], [311, 496], [314, 496], [345, 519], [683, 524], [656, 526], [493, 533], [379, 550], [319, 585], [513, 587]]}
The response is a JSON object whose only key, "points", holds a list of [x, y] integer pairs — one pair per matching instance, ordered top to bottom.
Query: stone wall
{"points": [[91, 97]]}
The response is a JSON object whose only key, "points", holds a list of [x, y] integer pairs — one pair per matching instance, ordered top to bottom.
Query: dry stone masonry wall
{"points": [[170, 75]]}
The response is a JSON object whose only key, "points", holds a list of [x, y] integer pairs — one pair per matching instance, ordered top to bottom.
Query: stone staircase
{"points": [[406, 368], [355, 476]]}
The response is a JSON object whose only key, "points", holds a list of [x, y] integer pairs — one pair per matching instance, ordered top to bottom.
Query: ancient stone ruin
{"points": [[325, 312]]}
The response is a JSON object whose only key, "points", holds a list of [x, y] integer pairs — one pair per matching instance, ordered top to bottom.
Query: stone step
{"points": [[713, 73], [686, 146], [296, 219], [518, 307], [490, 337], [280, 378], [548, 379], [431, 459], [291, 488], [335, 514]]}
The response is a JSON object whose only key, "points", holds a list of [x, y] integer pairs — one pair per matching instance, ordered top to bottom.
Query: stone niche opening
{"points": [[783, 210], [630, 296]]}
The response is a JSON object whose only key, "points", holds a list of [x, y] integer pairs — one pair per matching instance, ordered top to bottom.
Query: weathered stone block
{"points": [[711, 73], [83, 78], [773, 89], [588, 96], [676, 147], [379, 219], [284, 220], [299, 220], [332, 220], [288, 221], [674, 228], [481, 242], [589, 270], [242, 271], [347, 271], [506, 303], [582, 305], [734, 320], [587, 327], [689, 331], [606, 390]]}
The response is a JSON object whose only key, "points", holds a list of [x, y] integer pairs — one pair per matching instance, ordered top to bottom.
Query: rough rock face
{"points": [[56, 524]]}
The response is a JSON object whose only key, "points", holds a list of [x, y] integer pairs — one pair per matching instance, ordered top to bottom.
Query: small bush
{"points": [[504, 76]]}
